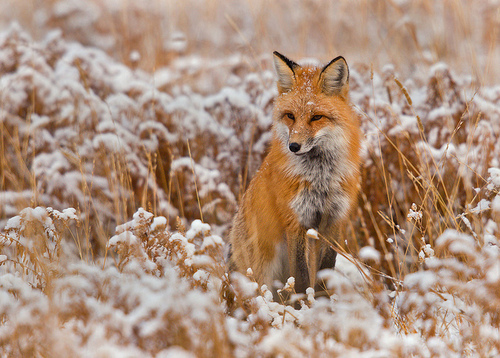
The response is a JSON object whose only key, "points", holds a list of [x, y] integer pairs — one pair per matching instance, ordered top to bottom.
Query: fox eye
{"points": [[290, 116], [316, 117]]}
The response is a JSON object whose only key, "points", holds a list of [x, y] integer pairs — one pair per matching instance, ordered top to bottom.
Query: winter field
{"points": [[130, 130]]}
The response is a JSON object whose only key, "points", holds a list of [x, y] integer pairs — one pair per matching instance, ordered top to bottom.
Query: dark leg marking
{"points": [[329, 258]]}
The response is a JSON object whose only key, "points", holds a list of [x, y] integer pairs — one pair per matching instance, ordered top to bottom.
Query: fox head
{"points": [[312, 109]]}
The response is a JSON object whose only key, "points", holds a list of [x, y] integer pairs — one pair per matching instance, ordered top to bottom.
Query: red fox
{"points": [[309, 179]]}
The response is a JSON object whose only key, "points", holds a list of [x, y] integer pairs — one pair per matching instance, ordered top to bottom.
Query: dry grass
{"points": [[409, 34], [80, 130]]}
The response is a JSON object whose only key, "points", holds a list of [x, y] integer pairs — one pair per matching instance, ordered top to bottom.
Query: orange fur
{"points": [[309, 179]]}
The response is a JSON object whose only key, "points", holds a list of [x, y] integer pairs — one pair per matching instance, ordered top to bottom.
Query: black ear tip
{"points": [[280, 56], [339, 58], [286, 60]]}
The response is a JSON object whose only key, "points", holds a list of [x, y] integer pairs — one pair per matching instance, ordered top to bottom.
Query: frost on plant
{"points": [[106, 169]]}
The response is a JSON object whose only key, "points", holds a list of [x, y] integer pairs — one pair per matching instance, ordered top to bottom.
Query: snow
{"points": [[95, 154], [494, 179], [483, 205], [495, 205], [414, 214], [159, 222], [13, 223], [197, 227], [312, 234], [125, 237], [212, 241], [456, 242], [368, 253], [426, 253], [347, 266], [493, 274], [422, 280]]}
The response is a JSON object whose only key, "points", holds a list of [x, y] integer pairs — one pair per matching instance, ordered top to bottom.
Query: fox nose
{"points": [[294, 147]]}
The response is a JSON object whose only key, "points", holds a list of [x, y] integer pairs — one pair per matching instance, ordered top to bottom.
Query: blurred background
{"points": [[150, 34]]}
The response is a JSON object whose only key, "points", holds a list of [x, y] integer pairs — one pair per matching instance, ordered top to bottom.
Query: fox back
{"points": [[308, 180]]}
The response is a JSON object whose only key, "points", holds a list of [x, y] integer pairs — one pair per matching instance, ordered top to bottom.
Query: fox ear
{"points": [[285, 70], [334, 78]]}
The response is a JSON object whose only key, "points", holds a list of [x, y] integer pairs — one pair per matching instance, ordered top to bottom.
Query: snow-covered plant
{"points": [[150, 121], [33, 240]]}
